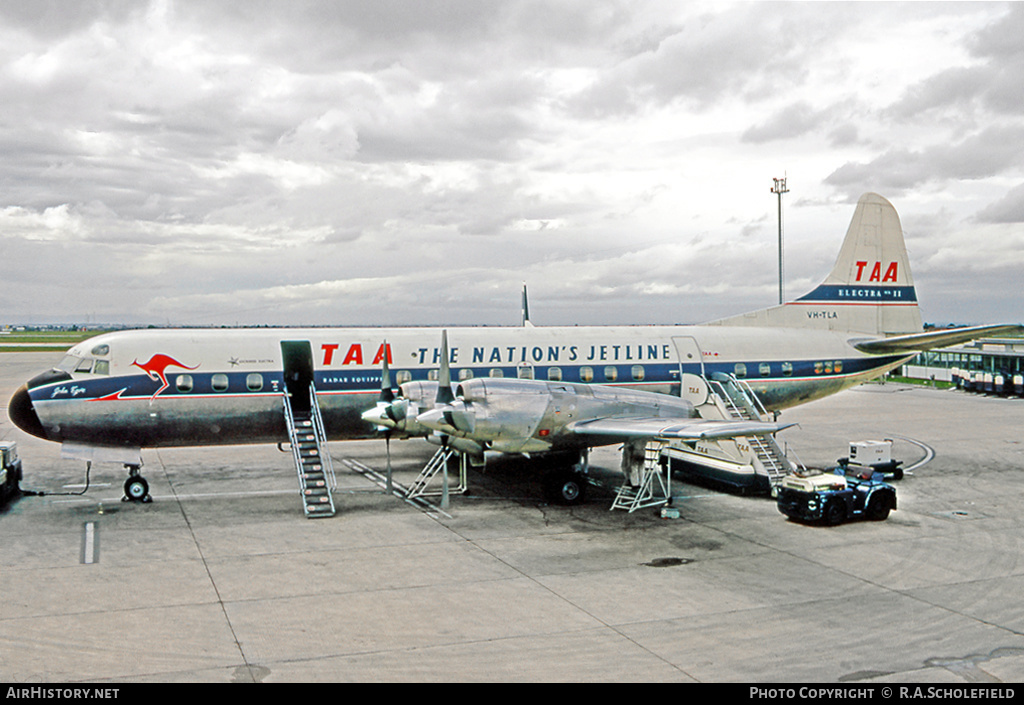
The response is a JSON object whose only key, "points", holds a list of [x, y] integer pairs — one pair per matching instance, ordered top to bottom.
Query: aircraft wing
{"points": [[917, 342], [687, 429]]}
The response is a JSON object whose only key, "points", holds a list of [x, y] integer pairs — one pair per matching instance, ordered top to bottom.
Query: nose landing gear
{"points": [[136, 489]]}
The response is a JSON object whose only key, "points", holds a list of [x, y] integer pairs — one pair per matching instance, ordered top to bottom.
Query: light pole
{"points": [[780, 188]]}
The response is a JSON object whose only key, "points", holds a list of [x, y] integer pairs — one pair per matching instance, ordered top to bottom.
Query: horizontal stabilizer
{"points": [[932, 339], [683, 429]]}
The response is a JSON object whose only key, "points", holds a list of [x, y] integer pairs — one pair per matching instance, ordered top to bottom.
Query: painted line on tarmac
{"points": [[929, 452], [400, 491], [205, 495], [90, 543]]}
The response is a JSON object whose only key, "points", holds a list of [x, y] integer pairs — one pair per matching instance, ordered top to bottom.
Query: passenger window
{"points": [[818, 366], [838, 366], [765, 369], [787, 369], [740, 370], [496, 372], [525, 372], [465, 373], [611, 373], [638, 373], [555, 374], [586, 374], [432, 375], [403, 376], [254, 382], [184, 383], [220, 383]]}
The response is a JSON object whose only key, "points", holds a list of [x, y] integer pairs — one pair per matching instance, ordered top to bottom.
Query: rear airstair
{"points": [[739, 401], [311, 455], [751, 463]]}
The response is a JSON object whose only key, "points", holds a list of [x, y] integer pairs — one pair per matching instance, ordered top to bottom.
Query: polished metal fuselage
{"points": [[155, 388]]}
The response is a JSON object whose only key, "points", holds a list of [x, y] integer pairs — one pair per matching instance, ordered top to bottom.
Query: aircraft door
{"points": [[297, 358], [692, 386]]}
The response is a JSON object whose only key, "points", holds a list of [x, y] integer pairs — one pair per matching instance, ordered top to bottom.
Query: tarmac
{"points": [[222, 579]]}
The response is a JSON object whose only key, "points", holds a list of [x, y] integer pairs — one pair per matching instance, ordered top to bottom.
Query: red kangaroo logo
{"points": [[156, 368]]}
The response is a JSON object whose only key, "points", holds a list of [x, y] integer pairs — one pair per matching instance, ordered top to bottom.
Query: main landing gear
{"points": [[568, 485], [136, 489]]}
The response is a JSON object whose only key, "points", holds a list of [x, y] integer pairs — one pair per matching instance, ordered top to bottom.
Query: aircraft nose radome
{"points": [[23, 414]]}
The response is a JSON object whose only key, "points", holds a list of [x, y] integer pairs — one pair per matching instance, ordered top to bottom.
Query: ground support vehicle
{"points": [[875, 454], [10, 470], [833, 497]]}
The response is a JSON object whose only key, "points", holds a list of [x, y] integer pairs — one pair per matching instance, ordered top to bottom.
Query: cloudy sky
{"points": [[409, 162]]}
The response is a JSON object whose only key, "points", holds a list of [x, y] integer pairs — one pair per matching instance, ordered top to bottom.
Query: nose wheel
{"points": [[136, 489]]}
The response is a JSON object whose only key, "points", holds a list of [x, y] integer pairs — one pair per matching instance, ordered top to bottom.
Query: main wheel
{"points": [[566, 487]]}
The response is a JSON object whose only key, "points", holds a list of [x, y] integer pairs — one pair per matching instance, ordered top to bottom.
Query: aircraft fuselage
{"points": [[159, 388]]}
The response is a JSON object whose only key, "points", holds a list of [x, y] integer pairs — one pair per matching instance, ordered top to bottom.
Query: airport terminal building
{"points": [[990, 365]]}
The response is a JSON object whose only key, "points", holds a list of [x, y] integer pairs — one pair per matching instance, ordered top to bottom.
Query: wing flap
{"points": [[917, 342], [683, 429]]}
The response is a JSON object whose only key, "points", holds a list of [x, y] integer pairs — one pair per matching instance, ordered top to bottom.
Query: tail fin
{"points": [[870, 289]]}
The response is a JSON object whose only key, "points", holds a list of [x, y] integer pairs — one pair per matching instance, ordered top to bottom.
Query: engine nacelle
{"points": [[422, 394], [401, 414]]}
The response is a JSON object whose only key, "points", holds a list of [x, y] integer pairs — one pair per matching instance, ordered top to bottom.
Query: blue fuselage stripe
{"points": [[367, 380]]}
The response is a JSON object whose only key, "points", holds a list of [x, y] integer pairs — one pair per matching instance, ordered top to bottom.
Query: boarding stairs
{"points": [[735, 399], [311, 455], [438, 463], [655, 486]]}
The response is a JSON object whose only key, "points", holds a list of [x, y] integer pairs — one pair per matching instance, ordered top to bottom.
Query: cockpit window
{"points": [[101, 350], [68, 363], [84, 366], [102, 367]]}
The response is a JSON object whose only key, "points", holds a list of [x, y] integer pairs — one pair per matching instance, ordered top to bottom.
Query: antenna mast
{"points": [[780, 188]]}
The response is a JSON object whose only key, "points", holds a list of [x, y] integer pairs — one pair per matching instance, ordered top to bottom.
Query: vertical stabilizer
{"points": [[870, 289]]}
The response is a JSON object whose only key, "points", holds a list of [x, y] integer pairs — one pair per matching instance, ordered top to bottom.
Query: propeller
{"points": [[444, 375], [387, 396], [444, 397], [389, 412], [384, 414], [450, 416], [457, 418]]}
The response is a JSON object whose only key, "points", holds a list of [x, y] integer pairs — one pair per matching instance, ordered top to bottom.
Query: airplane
{"points": [[117, 393]]}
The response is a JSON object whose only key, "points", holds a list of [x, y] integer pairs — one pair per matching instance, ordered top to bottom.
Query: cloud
{"points": [[792, 121], [988, 153], [220, 162], [1008, 209]]}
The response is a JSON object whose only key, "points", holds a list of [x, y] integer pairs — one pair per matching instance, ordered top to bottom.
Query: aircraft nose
{"points": [[23, 414]]}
